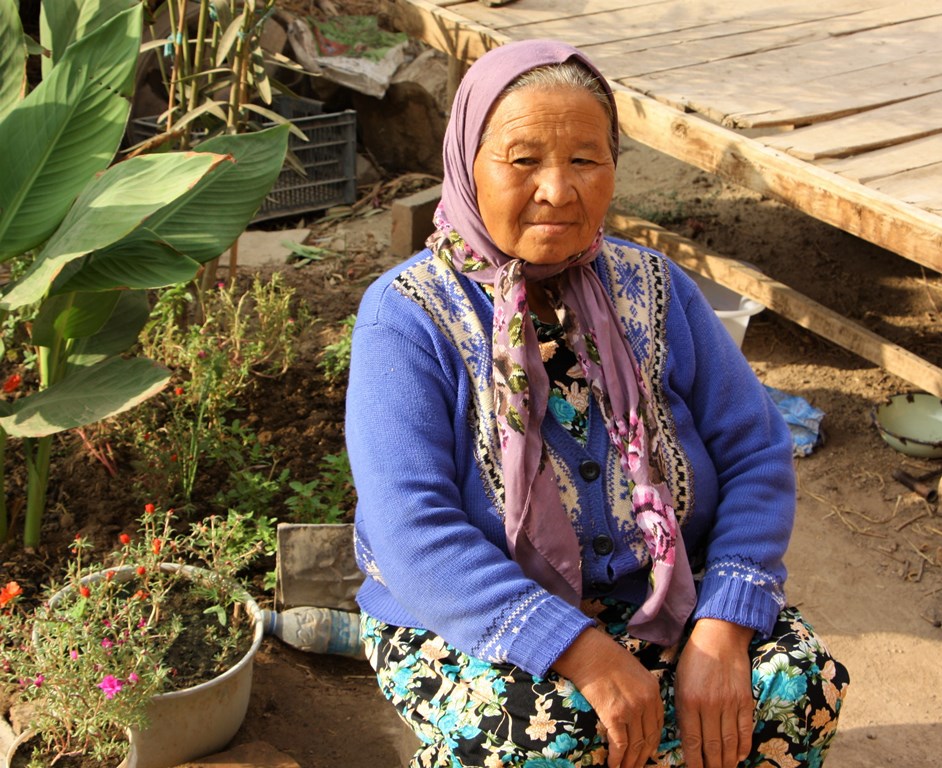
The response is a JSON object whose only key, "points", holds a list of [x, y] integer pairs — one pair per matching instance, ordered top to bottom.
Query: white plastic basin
{"points": [[733, 309]]}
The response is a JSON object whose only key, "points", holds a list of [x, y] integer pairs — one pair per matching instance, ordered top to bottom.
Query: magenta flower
{"points": [[107, 644], [73, 654], [133, 678], [39, 680], [110, 685]]}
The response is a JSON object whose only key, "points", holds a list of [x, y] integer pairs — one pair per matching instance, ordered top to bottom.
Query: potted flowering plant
{"points": [[100, 662]]}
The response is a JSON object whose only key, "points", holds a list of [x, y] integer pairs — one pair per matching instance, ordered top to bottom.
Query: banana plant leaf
{"points": [[61, 22], [12, 57], [65, 131], [112, 206], [207, 220], [192, 229], [141, 261], [72, 316], [118, 334], [89, 395]]}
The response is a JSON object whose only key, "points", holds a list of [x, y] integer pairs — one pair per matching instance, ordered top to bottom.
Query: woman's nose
{"points": [[554, 185]]}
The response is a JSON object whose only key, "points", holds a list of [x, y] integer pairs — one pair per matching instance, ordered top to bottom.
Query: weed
{"points": [[335, 359], [326, 499]]}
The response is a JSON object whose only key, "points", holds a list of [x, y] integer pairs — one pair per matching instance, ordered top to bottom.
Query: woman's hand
{"points": [[624, 695], [714, 695]]}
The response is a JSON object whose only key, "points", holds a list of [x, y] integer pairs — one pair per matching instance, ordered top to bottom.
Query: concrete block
{"points": [[412, 221]]}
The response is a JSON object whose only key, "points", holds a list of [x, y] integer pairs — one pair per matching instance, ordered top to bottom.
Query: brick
{"points": [[412, 221]]}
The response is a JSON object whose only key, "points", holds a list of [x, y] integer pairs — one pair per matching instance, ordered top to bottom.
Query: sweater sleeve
{"points": [[745, 439], [433, 544]]}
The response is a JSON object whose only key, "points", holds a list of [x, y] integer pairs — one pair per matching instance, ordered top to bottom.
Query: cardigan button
{"points": [[590, 470], [603, 545]]}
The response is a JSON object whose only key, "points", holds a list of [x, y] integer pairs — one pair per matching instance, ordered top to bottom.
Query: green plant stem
{"points": [[198, 53], [176, 87], [52, 364], [37, 452], [4, 521]]}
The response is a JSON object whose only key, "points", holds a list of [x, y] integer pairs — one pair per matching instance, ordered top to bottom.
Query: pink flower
{"points": [[106, 643], [73, 654], [133, 678], [39, 680], [110, 685]]}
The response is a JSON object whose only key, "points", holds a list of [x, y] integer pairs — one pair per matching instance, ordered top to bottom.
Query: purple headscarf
{"points": [[540, 536]]}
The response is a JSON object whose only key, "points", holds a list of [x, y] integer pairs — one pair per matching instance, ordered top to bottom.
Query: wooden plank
{"points": [[535, 11], [442, 28], [758, 82], [838, 96], [886, 126], [873, 166], [919, 186], [884, 221], [784, 301]]}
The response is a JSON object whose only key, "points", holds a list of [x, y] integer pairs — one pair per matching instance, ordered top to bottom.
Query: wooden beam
{"points": [[442, 29], [885, 221], [782, 300]]}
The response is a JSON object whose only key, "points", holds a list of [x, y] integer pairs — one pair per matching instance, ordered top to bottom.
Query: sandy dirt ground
{"points": [[865, 557]]}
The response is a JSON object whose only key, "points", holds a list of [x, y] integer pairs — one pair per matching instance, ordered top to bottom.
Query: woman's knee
{"points": [[795, 676]]}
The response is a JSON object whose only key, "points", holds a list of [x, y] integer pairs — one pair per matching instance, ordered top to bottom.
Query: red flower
{"points": [[12, 383], [178, 391], [149, 509], [124, 539], [156, 546], [141, 570], [109, 575], [10, 591], [84, 591]]}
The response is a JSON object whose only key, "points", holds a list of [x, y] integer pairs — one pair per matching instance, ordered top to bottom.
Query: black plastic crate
{"points": [[328, 158]]}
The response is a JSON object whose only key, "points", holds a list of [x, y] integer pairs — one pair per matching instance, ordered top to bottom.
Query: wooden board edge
{"points": [[442, 29]]}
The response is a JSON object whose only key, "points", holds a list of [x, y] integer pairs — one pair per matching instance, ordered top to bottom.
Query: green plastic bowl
{"points": [[912, 424]]}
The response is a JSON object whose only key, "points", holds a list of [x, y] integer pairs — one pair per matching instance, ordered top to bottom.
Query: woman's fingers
{"points": [[746, 725], [716, 736], [630, 744]]}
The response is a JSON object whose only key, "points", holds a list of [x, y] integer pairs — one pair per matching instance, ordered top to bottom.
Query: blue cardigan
{"points": [[423, 449]]}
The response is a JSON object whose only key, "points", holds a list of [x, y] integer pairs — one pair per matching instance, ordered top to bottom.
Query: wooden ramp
{"points": [[833, 108]]}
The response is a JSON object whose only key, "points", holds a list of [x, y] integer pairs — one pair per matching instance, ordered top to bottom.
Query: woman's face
{"points": [[545, 174]]}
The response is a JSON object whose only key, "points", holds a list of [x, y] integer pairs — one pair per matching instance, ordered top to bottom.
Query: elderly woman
{"points": [[574, 494]]}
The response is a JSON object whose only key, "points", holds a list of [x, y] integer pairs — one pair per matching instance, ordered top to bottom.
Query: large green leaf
{"points": [[61, 22], [12, 57], [65, 131], [111, 207], [209, 218], [141, 261], [72, 316], [119, 333], [90, 395]]}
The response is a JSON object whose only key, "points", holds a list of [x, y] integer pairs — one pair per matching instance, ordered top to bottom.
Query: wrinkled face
{"points": [[544, 173]]}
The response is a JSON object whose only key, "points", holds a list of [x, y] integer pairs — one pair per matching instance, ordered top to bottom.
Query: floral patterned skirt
{"points": [[469, 712]]}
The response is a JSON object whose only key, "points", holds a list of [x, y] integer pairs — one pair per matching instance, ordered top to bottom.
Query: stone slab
{"points": [[262, 248]]}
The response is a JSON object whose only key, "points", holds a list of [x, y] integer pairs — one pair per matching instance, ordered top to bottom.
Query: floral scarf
{"points": [[540, 536]]}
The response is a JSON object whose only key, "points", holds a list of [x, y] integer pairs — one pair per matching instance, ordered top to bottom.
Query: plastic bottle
{"points": [[317, 630]]}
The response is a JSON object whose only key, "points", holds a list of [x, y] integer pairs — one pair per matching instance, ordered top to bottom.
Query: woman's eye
{"points": [[583, 161], [523, 162]]}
